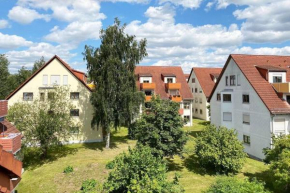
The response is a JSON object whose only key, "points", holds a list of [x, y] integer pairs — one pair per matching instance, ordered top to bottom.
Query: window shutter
{"points": [[65, 79], [45, 80], [227, 116], [279, 126]]}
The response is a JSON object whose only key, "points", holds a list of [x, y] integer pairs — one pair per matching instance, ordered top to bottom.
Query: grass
{"points": [[89, 160]]}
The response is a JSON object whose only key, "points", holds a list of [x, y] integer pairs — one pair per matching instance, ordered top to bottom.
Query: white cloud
{"points": [[129, 1], [225, 3], [192, 4], [159, 14], [25, 15], [3, 24], [75, 33], [12, 41], [263, 51]]}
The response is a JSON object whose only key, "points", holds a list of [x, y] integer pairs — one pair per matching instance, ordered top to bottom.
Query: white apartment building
{"points": [[201, 82], [169, 83], [252, 96]]}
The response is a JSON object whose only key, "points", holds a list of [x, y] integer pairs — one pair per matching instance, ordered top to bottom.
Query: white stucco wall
{"points": [[200, 96], [260, 127], [86, 132]]}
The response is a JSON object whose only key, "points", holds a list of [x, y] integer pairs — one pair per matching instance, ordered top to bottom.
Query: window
{"points": [[277, 78], [55, 79], [65, 79], [45, 80], [169, 80], [193, 80], [227, 80], [232, 80], [239, 80], [146, 81], [195, 90], [200, 90], [148, 92], [50, 95], [74, 95], [28, 96], [42, 96], [218, 97], [227, 97], [246, 98], [288, 99], [196, 100], [200, 100], [186, 105], [196, 110], [200, 111], [74, 112], [227, 116], [186, 119], [246, 119], [279, 126], [74, 130], [247, 139]]}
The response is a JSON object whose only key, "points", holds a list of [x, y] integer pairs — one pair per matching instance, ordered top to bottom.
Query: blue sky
{"points": [[184, 33]]}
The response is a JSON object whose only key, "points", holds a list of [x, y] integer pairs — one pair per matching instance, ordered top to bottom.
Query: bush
{"points": [[160, 127], [220, 149], [279, 159], [68, 169], [139, 171], [233, 185], [89, 186]]}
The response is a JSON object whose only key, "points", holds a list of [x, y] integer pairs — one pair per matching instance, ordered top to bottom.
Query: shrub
{"points": [[160, 127], [220, 149], [279, 159], [68, 169], [139, 171], [233, 185], [89, 186]]}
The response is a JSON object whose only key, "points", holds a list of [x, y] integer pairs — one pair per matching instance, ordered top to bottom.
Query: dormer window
{"points": [[272, 74], [145, 78], [277, 78], [169, 80]]}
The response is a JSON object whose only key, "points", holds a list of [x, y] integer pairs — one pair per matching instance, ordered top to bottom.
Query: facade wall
{"points": [[199, 105], [187, 112], [260, 127], [86, 132]]}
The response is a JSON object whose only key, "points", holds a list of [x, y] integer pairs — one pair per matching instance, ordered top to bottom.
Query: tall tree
{"points": [[38, 64], [111, 67], [23, 74], [4, 75]]}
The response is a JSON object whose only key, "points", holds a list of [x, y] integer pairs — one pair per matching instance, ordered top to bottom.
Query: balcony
{"points": [[148, 86], [173, 86], [282, 87], [148, 98], [176, 98], [3, 108], [11, 142]]}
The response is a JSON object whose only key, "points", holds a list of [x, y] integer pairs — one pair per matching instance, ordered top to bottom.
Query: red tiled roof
{"points": [[247, 65], [157, 71], [75, 73], [204, 78], [3, 108], [8, 127]]}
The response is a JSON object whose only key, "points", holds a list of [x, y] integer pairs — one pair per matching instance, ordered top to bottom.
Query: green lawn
{"points": [[89, 161]]}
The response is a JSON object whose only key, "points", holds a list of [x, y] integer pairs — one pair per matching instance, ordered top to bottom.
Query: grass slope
{"points": [[89, 161]]}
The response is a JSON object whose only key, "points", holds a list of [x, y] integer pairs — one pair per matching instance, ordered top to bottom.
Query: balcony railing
{"points": [[148, 86], [173, 86], [282, 87], [148, 98], [176, 98], [3, 108], [11, 142]]}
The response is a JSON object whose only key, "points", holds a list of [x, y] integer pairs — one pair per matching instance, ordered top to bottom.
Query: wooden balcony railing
{"points": [[148, 86], [173, 86], [282, 87], [176, 98]]}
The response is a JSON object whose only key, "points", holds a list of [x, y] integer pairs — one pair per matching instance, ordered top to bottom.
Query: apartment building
{"points": [[42, 82], [167, 82], [201, 82], [252, 96]]}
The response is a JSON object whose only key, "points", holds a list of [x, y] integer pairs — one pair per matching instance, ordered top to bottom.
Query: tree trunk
{"points": [[108, 139]]}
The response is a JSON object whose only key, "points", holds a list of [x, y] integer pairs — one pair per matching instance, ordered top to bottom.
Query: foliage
{"points": [[38, 64], [111, 67], [4, 74], [44, 123], [160, 127], [220, 149], [279, 159], [68, 169], [139, 171], [234, 185], [90, 186]]}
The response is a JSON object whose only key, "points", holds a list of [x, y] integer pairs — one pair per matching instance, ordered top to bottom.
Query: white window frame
{"points": [[226, 116]]}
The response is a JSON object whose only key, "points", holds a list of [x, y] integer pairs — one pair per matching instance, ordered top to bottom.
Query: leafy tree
{"points": [[38, 64], [111, 67], [4, 74], [23, 74], [44, 123], [160, 128], [220, 149], [279, 159], [139, 171], [234, 185]]}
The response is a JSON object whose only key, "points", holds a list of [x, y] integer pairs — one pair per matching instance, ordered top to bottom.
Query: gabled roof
{"points": [[247, 64], [271, 68], [157, 72], [75, 73], [204, 78], [8, 127]]}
